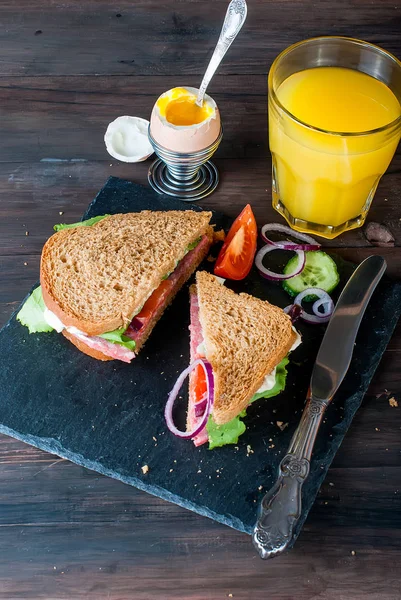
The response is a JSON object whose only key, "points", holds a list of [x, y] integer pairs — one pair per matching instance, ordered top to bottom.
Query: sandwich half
{"points": [[106, 282], [245, 342]]}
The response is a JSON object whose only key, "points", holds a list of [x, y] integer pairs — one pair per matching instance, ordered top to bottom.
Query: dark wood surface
{"points": [[66, 70]]}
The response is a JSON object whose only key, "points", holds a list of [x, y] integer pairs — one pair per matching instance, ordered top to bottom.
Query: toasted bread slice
{"points": [[189, 265], [96, 278], [245, 338]]}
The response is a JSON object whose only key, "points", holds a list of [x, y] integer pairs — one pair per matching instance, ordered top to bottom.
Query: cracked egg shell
{"points": [[178, 124]]}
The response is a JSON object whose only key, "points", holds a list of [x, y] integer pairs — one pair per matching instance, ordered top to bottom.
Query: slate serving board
{"points": [[109, 416]]}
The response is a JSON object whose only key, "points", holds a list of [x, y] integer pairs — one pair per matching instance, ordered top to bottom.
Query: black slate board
{"points": [[107, 416]]}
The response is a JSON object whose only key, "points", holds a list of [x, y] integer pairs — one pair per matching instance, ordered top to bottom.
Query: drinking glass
{"points": [[324, 181]]}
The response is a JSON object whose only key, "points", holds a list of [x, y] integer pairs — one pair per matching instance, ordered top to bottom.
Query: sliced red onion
{"points": [[311, 243], [278, 276], [323, 302], [294, 311], [136, 324], [200, 406], [168, 411]]}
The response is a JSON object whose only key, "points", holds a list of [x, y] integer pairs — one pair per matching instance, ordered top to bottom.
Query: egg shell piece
{"points": [[185, 138], [126, 139]]}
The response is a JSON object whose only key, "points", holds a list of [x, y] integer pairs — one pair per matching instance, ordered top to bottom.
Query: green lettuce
{"points": [[86, 223], [194, 244], [31, 313], [32, 316], [117, 337], [281, 377], [220, 435]]}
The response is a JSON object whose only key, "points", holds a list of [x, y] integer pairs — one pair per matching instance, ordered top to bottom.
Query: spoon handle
{"points": [[234, 20]]}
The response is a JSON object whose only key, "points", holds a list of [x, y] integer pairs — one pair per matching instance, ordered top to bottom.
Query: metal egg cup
{"points": [[189, 177]]}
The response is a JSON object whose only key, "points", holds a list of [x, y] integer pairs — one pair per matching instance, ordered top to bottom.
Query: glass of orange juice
{"points": [[334, 125]]}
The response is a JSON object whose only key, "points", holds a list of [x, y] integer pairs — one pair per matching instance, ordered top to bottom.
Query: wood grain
{"points": [[149, 37], [66, 70]]}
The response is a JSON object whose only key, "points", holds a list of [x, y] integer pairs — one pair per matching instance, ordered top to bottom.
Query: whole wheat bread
{"points": [[96, 278], [245, 338]]}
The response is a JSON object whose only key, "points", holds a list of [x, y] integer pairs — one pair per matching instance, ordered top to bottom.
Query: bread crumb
{"points": [[60, 212], [26, 232], [219, 236], [25, 264], [393, 402], [282, 425], [377, 429], [154, 439], [249, 450], [145, 469], [171, 470], [199, 471], [331, 484], [260, 488], [353, 552], [230, 595]]}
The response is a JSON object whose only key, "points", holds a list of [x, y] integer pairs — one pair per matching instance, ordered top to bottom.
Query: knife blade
{"points": [[335, 352], [280, 508]]}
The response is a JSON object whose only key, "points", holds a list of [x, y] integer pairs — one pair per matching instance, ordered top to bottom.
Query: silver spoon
{"points": [[234, 20]]}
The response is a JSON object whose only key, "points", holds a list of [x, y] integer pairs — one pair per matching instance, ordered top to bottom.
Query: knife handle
{"points": [[280, 508]]}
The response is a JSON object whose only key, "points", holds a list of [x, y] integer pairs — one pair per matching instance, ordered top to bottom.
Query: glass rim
{"points": [[272, 93]]}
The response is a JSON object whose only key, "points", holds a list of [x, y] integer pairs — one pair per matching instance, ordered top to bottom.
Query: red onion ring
{"points": [[311, 243], [278, 276], [324, 301], [294, 311], [136, 324], [200, 406], [168, 411]]}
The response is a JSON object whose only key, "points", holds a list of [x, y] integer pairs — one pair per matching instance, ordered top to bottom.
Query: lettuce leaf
{"points": [[86, 223], [194, 244], [31, 313], [117, 337], [281, 378], [220, 435]]}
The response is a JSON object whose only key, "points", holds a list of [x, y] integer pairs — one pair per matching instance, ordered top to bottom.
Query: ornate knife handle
{"points": [[234, 20], [280, 508]]}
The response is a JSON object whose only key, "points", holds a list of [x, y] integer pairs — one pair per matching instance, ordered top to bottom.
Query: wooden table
{"points": [[67, 69]]}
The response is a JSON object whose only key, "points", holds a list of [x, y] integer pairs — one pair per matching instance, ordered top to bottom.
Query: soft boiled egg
{"points": [[179, 124]]}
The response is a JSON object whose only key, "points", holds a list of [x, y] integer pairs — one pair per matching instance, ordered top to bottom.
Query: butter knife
{"points": [[280, 508]]}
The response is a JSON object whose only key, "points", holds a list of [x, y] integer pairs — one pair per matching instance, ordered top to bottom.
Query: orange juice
{"points": [[324, 173]]}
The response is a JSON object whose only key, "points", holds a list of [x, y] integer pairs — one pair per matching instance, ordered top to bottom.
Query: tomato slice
{"points": [[236, 256], [154, 301], [200, 387]]}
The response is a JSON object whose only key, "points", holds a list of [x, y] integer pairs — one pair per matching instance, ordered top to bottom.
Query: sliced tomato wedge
{"points": [[236, 256], [155, 300], [200, 387]]}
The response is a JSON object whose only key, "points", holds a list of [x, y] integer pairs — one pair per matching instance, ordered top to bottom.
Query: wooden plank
{"points": [[155, 38]]}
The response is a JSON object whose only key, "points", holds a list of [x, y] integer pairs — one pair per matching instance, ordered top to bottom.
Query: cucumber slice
{"points": [[320, 271]]}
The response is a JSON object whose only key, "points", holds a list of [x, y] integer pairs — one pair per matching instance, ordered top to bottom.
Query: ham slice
{"points": [[195, 329], [113, 350]]}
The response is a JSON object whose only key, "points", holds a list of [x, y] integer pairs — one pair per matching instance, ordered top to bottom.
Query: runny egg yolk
{"points": [[180, 108]]}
